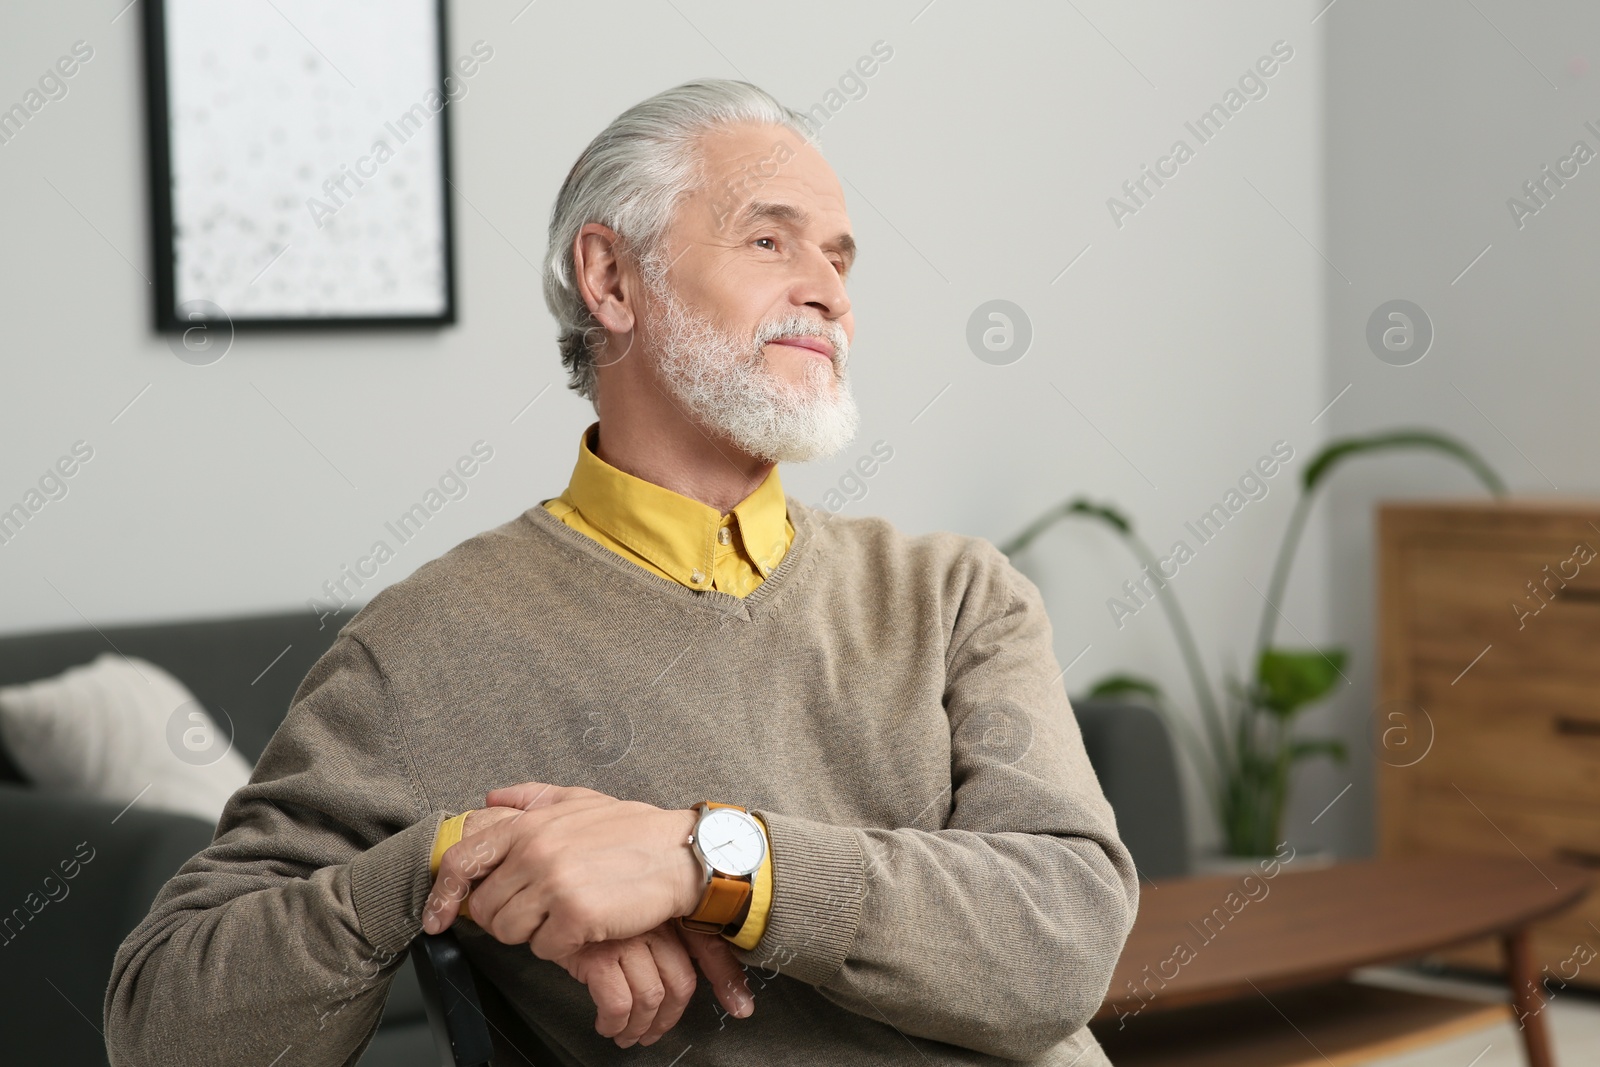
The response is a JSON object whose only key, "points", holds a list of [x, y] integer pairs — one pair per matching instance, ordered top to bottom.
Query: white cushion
{"points": [[117, 728]]}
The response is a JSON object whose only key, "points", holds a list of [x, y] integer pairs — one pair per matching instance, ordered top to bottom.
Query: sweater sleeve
{"points": [[998, 932], [277, 943]]}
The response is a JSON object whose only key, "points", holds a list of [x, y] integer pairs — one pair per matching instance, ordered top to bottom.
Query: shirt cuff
{"points": [[449, 834], [755, 920]]}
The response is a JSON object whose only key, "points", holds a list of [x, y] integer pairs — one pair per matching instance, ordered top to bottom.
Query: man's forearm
{"points": [[284, 932], [1003, 943], [236, 965]]}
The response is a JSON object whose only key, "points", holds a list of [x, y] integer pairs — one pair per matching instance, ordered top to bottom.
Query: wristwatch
{"points": [[730, 844]]}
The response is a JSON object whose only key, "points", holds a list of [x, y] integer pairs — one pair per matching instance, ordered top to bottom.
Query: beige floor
{"points": [[1572, 1017]]}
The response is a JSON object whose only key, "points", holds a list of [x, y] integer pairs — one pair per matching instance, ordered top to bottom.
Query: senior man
{"points": [[672, 719]]}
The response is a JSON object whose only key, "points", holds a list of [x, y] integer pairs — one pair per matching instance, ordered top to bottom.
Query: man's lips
{"points": [[814, 344]]}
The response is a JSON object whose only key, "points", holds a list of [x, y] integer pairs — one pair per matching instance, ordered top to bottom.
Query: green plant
{"points": [[1245, 752]]}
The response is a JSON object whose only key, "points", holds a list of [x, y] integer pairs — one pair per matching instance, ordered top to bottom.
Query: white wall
{"points": [[977, 166]]}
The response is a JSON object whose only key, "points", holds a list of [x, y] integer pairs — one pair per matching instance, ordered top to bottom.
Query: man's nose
{"points": [[823, 288]]}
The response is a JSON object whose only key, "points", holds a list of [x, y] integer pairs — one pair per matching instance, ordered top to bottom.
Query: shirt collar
{"points": [[674, 532]]}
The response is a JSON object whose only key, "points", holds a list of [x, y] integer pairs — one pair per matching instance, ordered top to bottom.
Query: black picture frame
{"points": [[162, 209]]}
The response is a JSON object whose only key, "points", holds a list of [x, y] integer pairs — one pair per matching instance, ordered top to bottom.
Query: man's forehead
{"points": [[744, 142], [769, 157], [757, 174], [760, 210]]}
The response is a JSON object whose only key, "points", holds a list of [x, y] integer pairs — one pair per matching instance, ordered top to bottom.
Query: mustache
{"points": [[802, 326]]}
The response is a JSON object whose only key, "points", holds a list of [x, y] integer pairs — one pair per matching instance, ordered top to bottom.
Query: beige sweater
{"points": [[948, 882]]}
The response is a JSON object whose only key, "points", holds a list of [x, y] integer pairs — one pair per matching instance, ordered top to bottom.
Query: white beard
{"points": [[723, 381]]}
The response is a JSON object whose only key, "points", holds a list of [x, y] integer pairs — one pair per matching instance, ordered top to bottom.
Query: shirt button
{"points": [[723, 537], [697, 577]]}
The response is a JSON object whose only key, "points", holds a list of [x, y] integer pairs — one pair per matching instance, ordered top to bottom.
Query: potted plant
{"points": [[1245, 746]]}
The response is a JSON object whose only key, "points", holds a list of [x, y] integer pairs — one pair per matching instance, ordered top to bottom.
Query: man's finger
{"points": [[535, 795], [480, 819], [467, 861], [446, 902], [509, 907], [722, 969], [677, 977], [609, 989], [649, 992]]}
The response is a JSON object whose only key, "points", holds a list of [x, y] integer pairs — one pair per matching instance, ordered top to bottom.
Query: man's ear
{"points": [[598, 274]]}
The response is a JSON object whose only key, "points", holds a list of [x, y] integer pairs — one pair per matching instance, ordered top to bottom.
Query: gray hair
{"points": [[631, 179]]}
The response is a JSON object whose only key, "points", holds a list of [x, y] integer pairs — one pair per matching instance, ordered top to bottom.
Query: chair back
{"points": [[473, 1024]]}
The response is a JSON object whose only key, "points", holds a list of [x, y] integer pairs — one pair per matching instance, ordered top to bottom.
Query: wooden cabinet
{"points": [[1487, 727]]}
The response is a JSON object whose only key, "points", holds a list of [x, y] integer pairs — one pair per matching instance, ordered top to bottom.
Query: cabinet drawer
{"points": [[1450, 574], [1460, 601], [1500, 694], [1545, 750], [1480, 822]]}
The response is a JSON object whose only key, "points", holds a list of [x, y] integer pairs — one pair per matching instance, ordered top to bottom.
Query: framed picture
{"points": [[300, 162]]}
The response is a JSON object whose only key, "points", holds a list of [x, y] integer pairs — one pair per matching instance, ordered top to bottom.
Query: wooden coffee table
{"points": [[1279, 949]]}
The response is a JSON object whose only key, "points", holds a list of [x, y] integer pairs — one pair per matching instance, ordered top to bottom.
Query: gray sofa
{"points": [[54, 965]]}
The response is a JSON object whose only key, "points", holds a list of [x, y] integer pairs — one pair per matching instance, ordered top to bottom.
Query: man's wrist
{"points": [[692, 884]]}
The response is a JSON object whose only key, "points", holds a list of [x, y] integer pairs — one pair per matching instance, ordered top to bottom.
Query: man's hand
{"points": [[483, 818], [572, 867], [452, 890], [641, 985]]}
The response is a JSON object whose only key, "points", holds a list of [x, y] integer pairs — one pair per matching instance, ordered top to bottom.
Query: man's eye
{"points": [[773, 241]]}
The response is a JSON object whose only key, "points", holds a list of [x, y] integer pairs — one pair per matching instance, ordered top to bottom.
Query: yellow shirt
{"points": [[674, 536], [680, 539]]}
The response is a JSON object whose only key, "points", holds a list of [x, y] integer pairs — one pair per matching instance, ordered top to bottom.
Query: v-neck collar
{"points": [[750, 606]]}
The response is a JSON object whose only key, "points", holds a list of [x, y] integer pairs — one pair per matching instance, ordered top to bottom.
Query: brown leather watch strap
{"points": [[724, 898], [719, 905]]}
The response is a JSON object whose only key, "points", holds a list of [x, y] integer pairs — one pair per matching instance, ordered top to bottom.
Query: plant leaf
{"points": [[1337, 451], [1078, 505], [1104, 512], [1290, 680], [1121, 685]]}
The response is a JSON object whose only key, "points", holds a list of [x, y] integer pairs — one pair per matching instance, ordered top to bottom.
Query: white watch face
{"points": [[731, 841]]}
